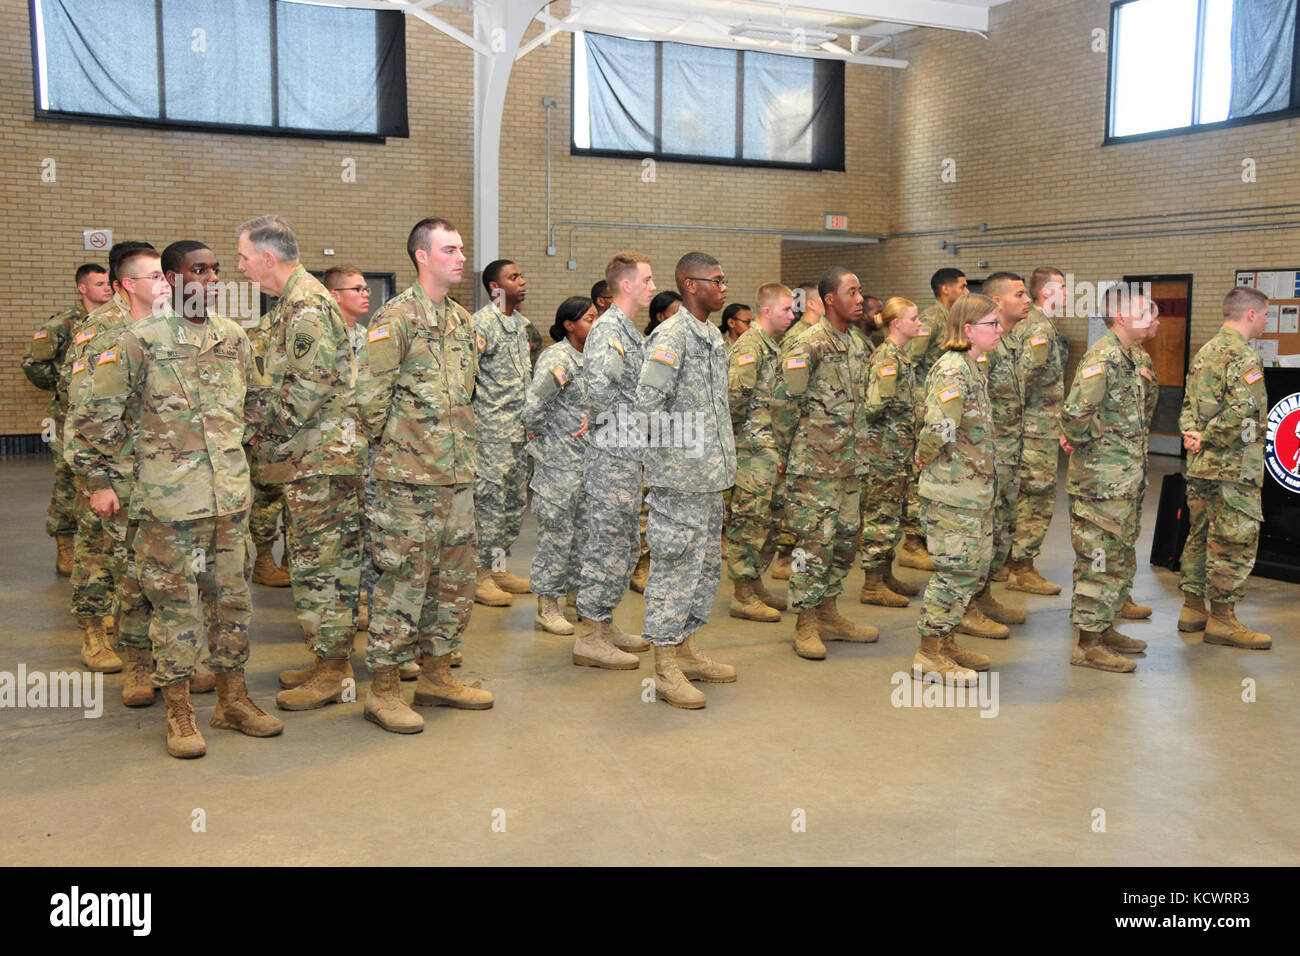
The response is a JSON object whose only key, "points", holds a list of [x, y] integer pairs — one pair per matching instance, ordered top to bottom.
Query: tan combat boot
{"points": [[65, 555], [914, 555], [781, 568], [265, 571], [640, 574], [1001, 575], [1023, 576], [512, 583], [897, 585], [486, 591], [876, 591], [767, 597], [571, 605], [746, 605], [995, 610], [363, 611], [1134, 612], [1193, 616], [549, 617], [976, 624], [834, 626], [1224, 628], [807, 642], [1122, 642], [632, 643], [592, 649], [1091, 651], [96, 655], [456, 659], [971, 660], [696, 665], [931, 666], [410, 670], [297, 676], [202, 682], [671, 684], [325, 686], [437, 688], [138, 689], [385, 707], [236, 710], [183, 737]]}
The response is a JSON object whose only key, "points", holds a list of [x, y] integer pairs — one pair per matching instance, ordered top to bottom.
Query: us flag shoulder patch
{"points": [[925, 331], [382, 332], [41, 334], [85, 335], [1038, 340], [480, 342], [618, 345], [109, 356], [667, 356], [746, 358], [797, 361], [78, 366], [887, 370], [1091, 370], [1146, 373], [561, 376], [1253, 376], [948, 394]]}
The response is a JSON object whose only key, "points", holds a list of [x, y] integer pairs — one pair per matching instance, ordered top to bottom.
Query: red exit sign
{"points": [[836, 221]]}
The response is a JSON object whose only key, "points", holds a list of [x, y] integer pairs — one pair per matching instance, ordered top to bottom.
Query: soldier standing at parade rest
{"points": [[43, 366], [1225, 412], [1104, 431], [957, 487]]}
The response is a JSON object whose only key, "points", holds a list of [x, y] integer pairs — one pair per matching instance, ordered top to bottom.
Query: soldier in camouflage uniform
{"points": [[948, 285], [1038, 344], [43, 366], [611, 367], [1146, 367], [824, 372], [178, 386], [414, 387], [893, 394], [757, 397], [555, 416], [1224, 416], [1104, 430], [306, 438], [690, 460], [501, 467], [958, 489], [268, 498]]}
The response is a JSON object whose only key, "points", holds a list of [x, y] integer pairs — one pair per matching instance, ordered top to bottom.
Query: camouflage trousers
{"points": [[612, 486], [500, 497], [1037, 500], [884, 503], [561, 510], [912, 512], [1004, 513], [645, 515], [61, 516], [323, 516], [825, 516], [263, 518], [751, 532], [1103, 533], [685, 535], [785, 540], [960, 542], [1221, 543], [423, 544], [104, 573], [369, 573], [195, 576]]}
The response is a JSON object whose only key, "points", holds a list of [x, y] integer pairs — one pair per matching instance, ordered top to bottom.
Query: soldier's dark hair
{"points": [[420, 232], [271, 234], [121, 250], [173, 257], [689, 265], [88, 269], [492, 271], [336, 274], [944, 277], [1039, 278], [830, 281], [994, 283], [599, 290], [1242, 298], [658, 306], [571, 310], [967, 310], [730, 313]]}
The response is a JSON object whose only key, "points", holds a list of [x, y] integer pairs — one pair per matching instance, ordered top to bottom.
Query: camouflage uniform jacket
{"points": [[96, 333], [927, 347], [43, 357], [611, 368], [504, 373], [824, 373], [1042, 373], [685, 375], [414, 385], [1150, 387], [178, 388], [756, 394], [893, 395], [1005, 396], [1226, 402], [555, 407], [304, 408], [1104, 418], [955, 440]]}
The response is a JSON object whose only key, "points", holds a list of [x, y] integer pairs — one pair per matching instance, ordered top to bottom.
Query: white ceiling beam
{"points": [[943, 14]]}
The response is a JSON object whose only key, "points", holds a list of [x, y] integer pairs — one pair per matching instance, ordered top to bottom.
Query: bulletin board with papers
{"points": [[1280, 343]]}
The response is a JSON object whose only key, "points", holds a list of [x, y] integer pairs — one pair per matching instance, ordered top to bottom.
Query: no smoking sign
{"points": [[97, 240]]}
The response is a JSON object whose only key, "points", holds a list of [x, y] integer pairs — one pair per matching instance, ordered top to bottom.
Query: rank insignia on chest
{"points": [[380, 333], [41, 334], [85, 336], [1038, 340], [480, 342], [302, 343], [618, 345], [667, 356], [106, 357], [747, 358], [796, 361], [78, 366], [888, 370], [1091, 370], [1146, 373], [1254, 375], [561, 376], [948, 394]]}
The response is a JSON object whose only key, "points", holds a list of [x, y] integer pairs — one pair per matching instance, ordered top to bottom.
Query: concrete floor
{"points": [[586, 773]]}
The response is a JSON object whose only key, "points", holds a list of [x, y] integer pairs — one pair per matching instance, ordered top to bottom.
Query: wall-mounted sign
{"points": [[97, 240]]}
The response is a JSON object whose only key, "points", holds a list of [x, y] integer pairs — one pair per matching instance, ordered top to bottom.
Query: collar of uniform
{"points": [[291, 283], [434, 310], [943, 311], [79, 312], [619, 316], [515, 319], [700, 327], [1234, 334], [839, 339], [768, 342], [1119, 346], [891, 349], [577, 356]]}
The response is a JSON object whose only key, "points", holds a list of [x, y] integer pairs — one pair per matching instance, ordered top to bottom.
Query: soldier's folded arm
{"points": [[378, 363], [309, 378], [1229, 414]]}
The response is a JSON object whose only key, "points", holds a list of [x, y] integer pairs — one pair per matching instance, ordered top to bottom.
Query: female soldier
{"points": [[736, 320], [891, 441], [957, 484]]}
